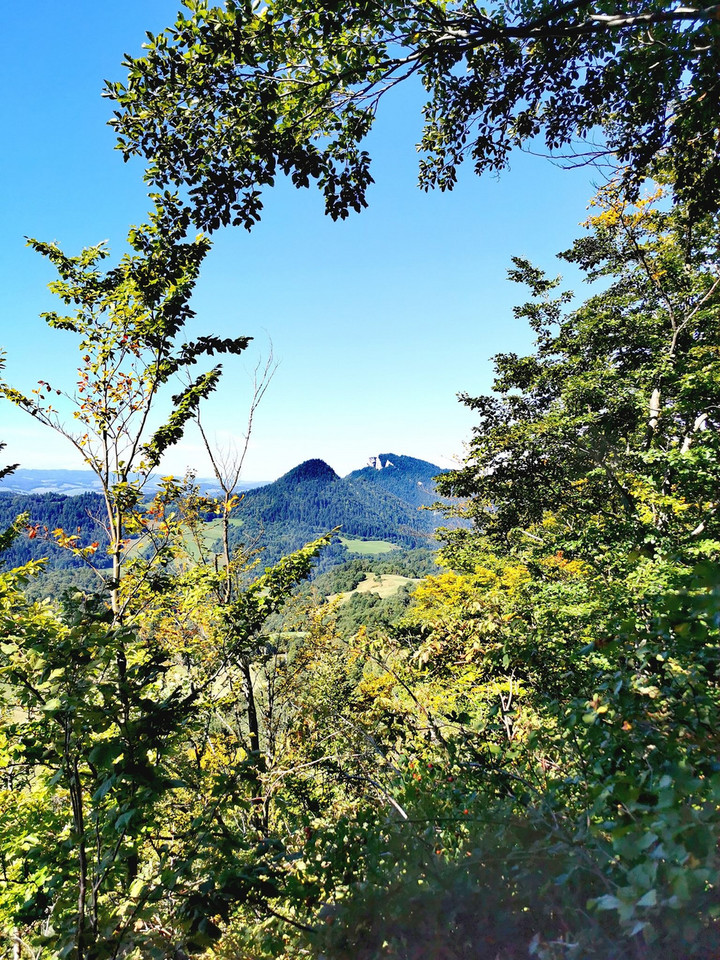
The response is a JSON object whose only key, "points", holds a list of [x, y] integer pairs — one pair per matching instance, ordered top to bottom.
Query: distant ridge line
{"points": [[72, 482]]}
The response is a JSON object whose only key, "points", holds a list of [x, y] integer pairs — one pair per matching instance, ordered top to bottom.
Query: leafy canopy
{"points": [[233, 95], [128, 321], [611, 425]]}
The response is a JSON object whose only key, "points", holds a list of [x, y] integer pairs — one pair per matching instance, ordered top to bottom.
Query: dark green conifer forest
{"points": [[515, 753]]}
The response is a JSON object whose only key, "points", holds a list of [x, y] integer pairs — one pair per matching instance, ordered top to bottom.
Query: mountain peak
{"points": [[381, 462], [311, 470], [407, 478]]}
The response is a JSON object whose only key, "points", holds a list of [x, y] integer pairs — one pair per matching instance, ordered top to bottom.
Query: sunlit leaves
{"points": [[230, 97], [611, 418]]}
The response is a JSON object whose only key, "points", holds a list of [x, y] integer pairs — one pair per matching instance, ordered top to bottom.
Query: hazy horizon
{"points": [[208, 478]]}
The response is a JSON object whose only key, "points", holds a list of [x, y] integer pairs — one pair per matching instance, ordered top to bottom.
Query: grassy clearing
{"points": [[210, 532], [369, 548], [384, 584]]}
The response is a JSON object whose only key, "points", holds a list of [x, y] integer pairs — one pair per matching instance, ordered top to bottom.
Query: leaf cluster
{"points": [[230, 97]]}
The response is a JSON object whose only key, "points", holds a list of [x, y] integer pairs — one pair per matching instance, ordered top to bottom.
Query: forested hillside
{"points": [[407, 478], [311, 499], [46, 512], [275, 519], [517, 754]]}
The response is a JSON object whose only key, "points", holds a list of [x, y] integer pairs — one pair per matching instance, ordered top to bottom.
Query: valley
{"points": [[383, 511]]}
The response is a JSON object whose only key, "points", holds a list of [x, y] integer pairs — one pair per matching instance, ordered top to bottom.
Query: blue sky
{"points": [[378, 321]]}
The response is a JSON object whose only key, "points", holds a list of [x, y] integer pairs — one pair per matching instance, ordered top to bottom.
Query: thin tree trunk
{"points": [[654, 410], [253, 724], [79, 828]]}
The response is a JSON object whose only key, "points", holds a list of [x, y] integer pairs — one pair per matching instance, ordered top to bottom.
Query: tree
{"points": [[233, 95], [128, 321], [611, 426], [589, 581], [126, 809], [129, 822]]}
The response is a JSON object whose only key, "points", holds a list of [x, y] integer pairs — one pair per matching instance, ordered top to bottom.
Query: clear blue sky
{"points": [[378, 322]]}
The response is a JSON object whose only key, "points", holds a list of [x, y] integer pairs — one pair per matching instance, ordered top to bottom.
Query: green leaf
{"points": [[104, 789], [124, 819], [648, 900], [606, 902]]}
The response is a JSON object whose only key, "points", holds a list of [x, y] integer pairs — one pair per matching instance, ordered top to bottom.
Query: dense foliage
{"points": [[233, 95], [118, 785]]}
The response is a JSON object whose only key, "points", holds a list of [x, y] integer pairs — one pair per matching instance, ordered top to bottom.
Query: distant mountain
{"points": [[313, 471], [412, 480], [68, 482], [73, 482], [379, 502]]}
